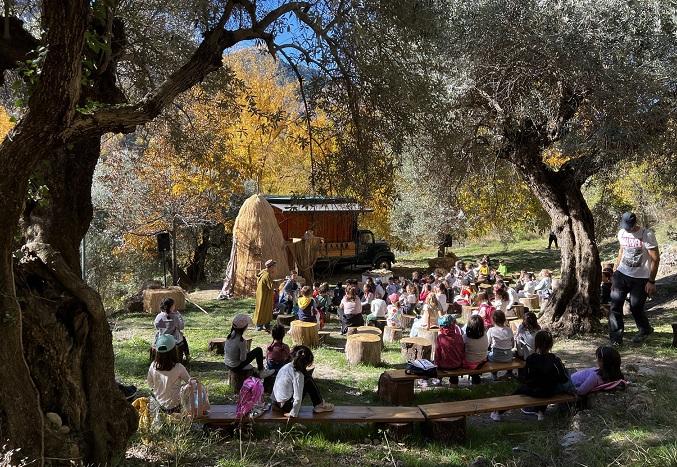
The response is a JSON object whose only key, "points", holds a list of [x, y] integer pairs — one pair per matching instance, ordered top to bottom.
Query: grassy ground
{"points": [[633, 427]]}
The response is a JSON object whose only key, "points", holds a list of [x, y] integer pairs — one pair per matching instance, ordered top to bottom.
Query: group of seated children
{"points": [[290, 368], [544, 374]]}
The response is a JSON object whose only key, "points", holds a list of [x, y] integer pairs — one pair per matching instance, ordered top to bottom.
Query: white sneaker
{"points": [[263, 374], [323, 407], [495, 416], [541, 416]]}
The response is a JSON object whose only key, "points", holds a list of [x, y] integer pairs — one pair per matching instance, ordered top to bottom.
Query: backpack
{"points": [[421, 367], [251, 396], [194, 399]]}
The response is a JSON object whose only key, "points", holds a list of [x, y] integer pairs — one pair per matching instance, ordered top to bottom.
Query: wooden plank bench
{"points": [[397, 387], [224, 415], [446, 421]]}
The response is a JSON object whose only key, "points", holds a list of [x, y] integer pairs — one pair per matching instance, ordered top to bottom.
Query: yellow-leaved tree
{"points": [[189, 173]]}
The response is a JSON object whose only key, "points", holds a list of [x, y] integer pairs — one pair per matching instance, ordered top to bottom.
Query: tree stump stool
{"points": [[531, 302], [517, 311], [285, 320], [407, 321], [380, 323], [514, 323], [351, 330], [368, 330], [304, 333], [391, 334], [323, 336], [431, 336], [216, 345], [363, 348], [414, 348], [236, 379], [449, 430]]}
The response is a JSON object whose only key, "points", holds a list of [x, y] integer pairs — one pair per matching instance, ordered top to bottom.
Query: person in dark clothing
{"points": [[552, 238], [605, 290], [544, 375]]}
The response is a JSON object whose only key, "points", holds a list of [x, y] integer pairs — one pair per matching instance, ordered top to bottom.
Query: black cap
{"points": [[628, 220]]}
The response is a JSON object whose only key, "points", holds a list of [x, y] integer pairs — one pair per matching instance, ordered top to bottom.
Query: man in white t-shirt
{"points": [[636, 268]]}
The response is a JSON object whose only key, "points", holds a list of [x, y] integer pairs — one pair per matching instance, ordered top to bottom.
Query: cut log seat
{"points": [[220, 415]]}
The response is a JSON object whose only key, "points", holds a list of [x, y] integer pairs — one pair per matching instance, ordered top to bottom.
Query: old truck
{"points": [[335, 220]]}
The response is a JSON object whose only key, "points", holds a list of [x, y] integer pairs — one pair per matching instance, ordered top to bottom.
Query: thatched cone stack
{"points": [[256, 239], [363, 348]]}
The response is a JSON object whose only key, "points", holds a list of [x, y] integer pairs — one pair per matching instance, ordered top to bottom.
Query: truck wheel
{"points": [[383, 264]]}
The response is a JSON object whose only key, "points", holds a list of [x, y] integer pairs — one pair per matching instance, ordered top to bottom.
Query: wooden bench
{"points": [[397, 387], [224, 416], [446, 421]]}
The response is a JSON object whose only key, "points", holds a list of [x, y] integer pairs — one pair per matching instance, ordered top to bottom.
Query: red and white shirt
{"points": [[635, 260]]}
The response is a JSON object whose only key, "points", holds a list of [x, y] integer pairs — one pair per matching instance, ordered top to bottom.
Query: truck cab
{"points": [[373, 252]]}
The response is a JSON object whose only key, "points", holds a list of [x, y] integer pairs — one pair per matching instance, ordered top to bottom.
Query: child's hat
{"points": [[394, 298], [241, 321], [446, 321], [165, 343]]}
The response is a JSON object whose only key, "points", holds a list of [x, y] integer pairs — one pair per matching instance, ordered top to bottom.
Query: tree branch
{"points": [[206, 59]]}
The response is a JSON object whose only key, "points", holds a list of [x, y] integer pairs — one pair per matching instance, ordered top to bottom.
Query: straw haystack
{"points": [[256, 239]]}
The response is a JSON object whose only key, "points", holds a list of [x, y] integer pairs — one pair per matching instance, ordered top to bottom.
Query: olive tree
{"points": [[87, 69]]}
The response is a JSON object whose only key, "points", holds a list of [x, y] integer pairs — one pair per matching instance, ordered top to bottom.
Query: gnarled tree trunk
{"points": [[574, 305], [64, 318]]}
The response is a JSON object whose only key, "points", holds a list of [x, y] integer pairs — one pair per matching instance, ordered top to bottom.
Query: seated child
{"points": [[544, 286], [392, 287], [529, 288], [427, 289], [501, 299], [409, 300], [323, 303], [379, 309], [307, 310], [350, 310], [486, 310], [393, 313], [428, 318], [169, 321], [526, 333], [501, 341], [476, 344], [450, 349], [278, 353], [235, 354], [608, 370], [166, 375], [544, 375], [294, 381]]}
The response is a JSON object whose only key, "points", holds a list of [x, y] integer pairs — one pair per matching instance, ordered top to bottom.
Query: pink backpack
{"points": [[486, 311], [251, 396], [194, 399]]}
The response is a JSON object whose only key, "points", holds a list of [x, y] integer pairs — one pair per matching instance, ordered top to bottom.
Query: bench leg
{"points": [[395, 392], [448, 430]]}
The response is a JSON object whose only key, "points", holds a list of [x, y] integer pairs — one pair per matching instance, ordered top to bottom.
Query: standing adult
{"points": [[552, 238], [636, 268], [263, 314]]}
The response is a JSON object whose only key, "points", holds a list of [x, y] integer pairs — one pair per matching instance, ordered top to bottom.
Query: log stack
{"points": [[304, 333], [363, 348], [414, 348]]}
